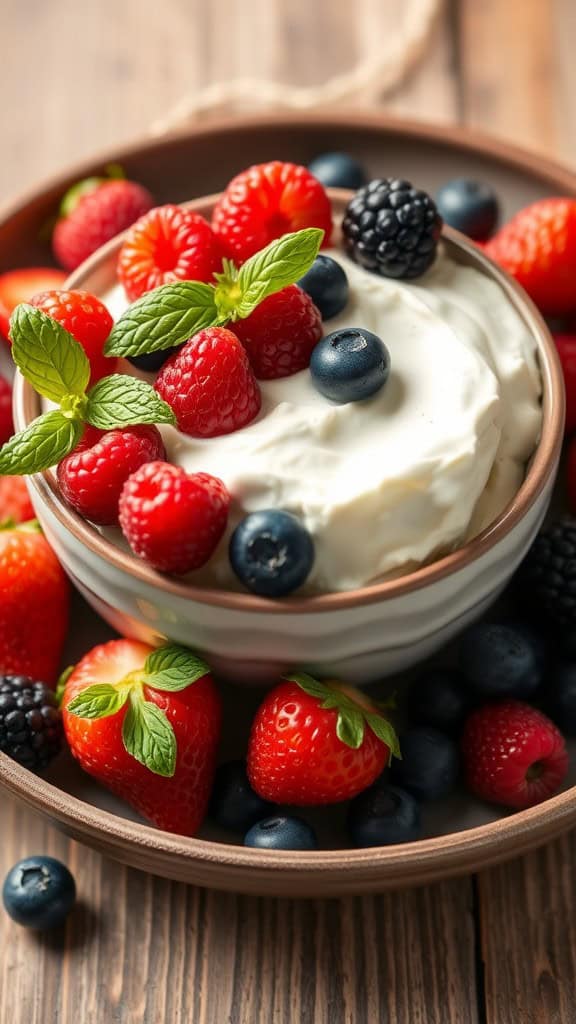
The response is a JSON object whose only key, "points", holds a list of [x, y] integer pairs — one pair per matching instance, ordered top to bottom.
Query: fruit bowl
{"points": [[359, 635]]}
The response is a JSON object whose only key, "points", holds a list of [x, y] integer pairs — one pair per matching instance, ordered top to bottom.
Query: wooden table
{"points": [[498, 948]]}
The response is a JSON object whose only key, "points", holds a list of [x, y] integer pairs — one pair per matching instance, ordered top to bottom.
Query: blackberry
{"points": [[392, 228], [546, 579], [30, 722]]}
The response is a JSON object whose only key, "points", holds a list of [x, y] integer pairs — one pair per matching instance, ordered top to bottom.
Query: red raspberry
{"points": [[267, 201], [96, 218], [168, 244], [538, 247], [87, 320], [280, 334], [566, 346], [209, 384], [6, 421], [91, 478], [15, 501], [173, 519], [513, 754]]}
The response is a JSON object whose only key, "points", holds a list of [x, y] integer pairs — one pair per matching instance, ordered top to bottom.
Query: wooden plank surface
{"points": [[77, 77]]}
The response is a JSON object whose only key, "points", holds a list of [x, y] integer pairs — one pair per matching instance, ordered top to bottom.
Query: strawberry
{"points": [[267, 201], [95, 216], [168, 244], [538, 248], [20, 285], [87, 320], [280, 334], [566, 347], [209, 384], [6, 421], [91, 478], [15, 501], [172, 519], [34, 601], [146, 724], [317, 743], [513, 754]]}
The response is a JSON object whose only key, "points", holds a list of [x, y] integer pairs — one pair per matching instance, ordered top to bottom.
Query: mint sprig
{"points": [[172, 313], [47, 355], [119, 401], [42, 444], [149, 737]]}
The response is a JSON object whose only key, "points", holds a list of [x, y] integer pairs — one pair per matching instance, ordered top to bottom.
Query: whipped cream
{"points": [[392, 482]]}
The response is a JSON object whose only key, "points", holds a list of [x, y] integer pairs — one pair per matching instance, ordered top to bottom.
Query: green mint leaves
{"points": [[172, 313], [57, 367], [352, 716], [146, 731]]}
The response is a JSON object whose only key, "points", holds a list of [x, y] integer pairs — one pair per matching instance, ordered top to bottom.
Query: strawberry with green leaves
{"points": [[145, 722], [316, 742]]}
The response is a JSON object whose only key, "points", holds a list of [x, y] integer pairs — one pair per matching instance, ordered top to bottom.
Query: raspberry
{"points": [[267, 201], [96, 218], [168, 244], [538, 248], [87, 320], [280, 334], [566, 347], [209, 384], [6, 421], [91, 478], [15, 501], [173, 519], [513, 754]]}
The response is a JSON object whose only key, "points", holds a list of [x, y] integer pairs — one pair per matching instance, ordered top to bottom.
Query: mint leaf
{"points": [[281, 263], [166, 316], [47, 355], [119, 401], [42, 444], [173, 668], [98, 701], [350, 727], [385, 732], [149, 737]]}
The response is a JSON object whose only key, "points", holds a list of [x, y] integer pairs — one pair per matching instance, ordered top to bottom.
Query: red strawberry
{"points": [[267, 201], [96, 217], [168, 244], [538, 248], [20, 285], [87, 320], [280, 334], [566, 346], [209, 384], [6, 421], [91, 478], [15, 501], [173, 519], [34, 600], [149, 736], [317, 743], [513, 754]]}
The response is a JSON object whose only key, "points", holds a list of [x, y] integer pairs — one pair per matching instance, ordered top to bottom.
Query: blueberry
{"points": [[338, 170], [469, 206], [327, 285], [152, 361], [350, 365], [271, 552], [501, 660], [560, 697], [439, 698], [430, 765], [234, 803], [383, 815], [281, 833], [39, 892]]}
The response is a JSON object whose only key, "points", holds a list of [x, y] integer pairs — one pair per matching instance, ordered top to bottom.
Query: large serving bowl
{"points": [[360, 635]]}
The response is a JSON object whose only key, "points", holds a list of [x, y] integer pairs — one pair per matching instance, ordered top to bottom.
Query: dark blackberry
{"points": [[392, 229], [546, 580], [30, 722]]}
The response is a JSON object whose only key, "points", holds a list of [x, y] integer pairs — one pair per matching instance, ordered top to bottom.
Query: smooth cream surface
{"points": [[390, 483]]}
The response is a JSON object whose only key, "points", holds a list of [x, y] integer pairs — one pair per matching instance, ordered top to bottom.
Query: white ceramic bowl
{"points": [[361, 635]]}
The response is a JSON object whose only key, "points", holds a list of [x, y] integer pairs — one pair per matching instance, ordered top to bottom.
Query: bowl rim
{"points": [[27, 407]]}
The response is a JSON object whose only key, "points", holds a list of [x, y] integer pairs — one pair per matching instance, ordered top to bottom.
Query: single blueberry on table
{"points": [[338, 170], [469, 206], [327, 285], [150, 362], [349, 365], [271, 552], [501, 660], [439, 698], [430, 764], [234, 804], [384, 815], [281, 833], [39, 892]]}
